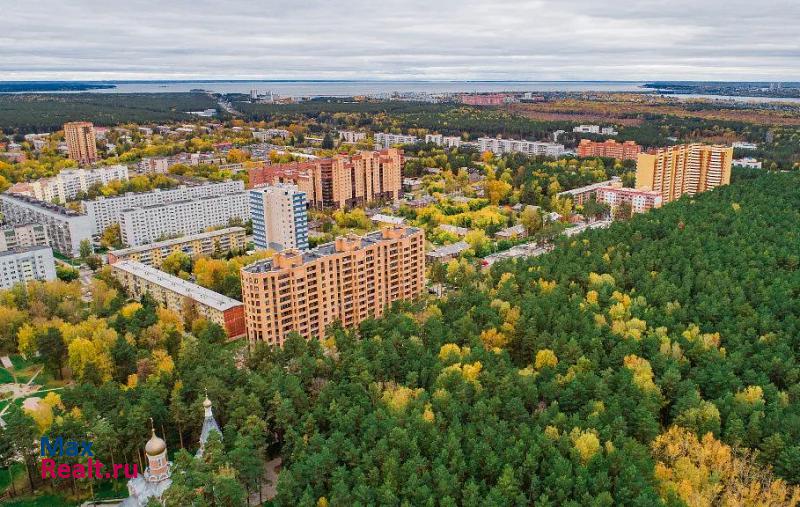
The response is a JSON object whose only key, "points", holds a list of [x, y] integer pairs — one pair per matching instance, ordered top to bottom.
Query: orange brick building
{"points": [[81, 142], [610, 148], [342, 181], [353, 278]]}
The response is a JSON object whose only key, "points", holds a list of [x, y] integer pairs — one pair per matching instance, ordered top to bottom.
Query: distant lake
{"points": [[351, 88]]}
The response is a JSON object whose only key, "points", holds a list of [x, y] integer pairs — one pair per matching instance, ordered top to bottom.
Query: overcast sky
{"points": [[393, 39]]}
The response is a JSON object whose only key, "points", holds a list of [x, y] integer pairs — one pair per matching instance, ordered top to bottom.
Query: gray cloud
{"points": [[391, 39]]}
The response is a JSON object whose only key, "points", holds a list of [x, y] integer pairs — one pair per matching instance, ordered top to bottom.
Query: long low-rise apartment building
{"points": [[386, 140], [442, 140], [502, 146], [70, 183], [581, 195], [639, 200], [106, 211], [146, 224], [65, 228], [194, 245], [24, 264], [353, 278], [178, 295]]}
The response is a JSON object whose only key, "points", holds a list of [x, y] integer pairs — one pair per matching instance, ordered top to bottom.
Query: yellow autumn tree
{"points": [[545, 358], [586, 443], [706, 472]]}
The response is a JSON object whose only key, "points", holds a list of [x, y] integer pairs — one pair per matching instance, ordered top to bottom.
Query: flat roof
{"points": [[589, 188], [54, 208], [175, 241], [24, 249], [326, 249], [446, 250], [182, 287]]}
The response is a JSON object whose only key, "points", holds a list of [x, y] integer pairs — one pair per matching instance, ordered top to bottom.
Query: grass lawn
{"points": [[19, 362], [5, 376], [5, 479], [39, 501]]}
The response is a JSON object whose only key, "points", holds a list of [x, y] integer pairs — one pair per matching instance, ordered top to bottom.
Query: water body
{"points": [[351, 88]]}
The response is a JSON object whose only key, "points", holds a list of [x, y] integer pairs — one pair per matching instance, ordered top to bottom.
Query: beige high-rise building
{"points": [[81, 142], [686, 169], [353, 278]]}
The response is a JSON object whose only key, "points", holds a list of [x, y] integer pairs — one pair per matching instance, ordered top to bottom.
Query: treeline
{"points": [[26, 113]]}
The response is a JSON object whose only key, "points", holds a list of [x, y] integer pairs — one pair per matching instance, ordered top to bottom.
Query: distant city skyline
{"points": [[410, 40]]}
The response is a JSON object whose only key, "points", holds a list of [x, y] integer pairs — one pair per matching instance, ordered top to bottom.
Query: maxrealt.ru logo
{"points": [[92, 469]]}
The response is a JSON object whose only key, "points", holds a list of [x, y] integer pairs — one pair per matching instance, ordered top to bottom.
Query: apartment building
{"points": [[486, 99], [586, 129], [266, 135], [352, 136], [385, 140], [445, 141], [81, 142], [502, 146], [628, 150], [748, 162], [154, 165], [687, 169], [342, 181], [67, 184], [583, 194], [639, 200], [106, 211], [280, 217], [146, 224], [65, 228], [20, 236], [194, 245], [24, 264], [353, 278], [180, 295]]}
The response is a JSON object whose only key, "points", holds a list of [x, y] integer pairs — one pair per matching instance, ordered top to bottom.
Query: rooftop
{"points": [[589, 188], [53, 208], [175, 241], [24, 249], [327, 249], [448, 250], [173, 283]]}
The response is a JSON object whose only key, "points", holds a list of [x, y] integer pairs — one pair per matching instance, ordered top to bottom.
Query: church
{"points": [[157, 477]]}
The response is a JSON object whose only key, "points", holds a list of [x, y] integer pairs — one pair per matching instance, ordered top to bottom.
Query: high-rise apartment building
{"points": [[81, 142], [628, 150], [686, 169], [342, 181], [106, 211], [280, 217], [145, 224], [65, 228], [24, 264], [353, 278]]}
